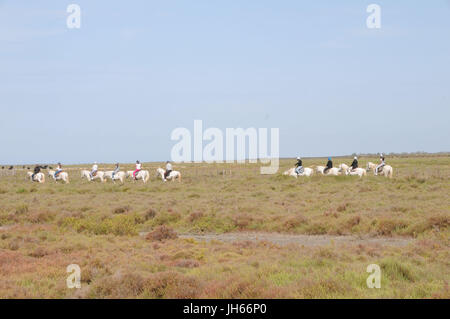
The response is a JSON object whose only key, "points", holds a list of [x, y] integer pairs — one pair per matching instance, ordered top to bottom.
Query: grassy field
{"points": [[133, 240]]}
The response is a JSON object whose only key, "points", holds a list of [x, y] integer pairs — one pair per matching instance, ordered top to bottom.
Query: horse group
{"points": [[386, 171], [143, 175], [103, 176]]}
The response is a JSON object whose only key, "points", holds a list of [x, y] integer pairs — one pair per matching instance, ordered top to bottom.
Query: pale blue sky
{"points": [[116, 88]]}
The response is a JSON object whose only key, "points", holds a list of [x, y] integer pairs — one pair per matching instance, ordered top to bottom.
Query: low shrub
{"points": [[161, 233]]}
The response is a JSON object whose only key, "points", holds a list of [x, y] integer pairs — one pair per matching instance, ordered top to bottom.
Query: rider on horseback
{"points": [[354, 163], [329, 165], [381, 165], [299, 166], [138, 169], [168, 169], [37, 170], [58, 170], [94, 170], [116, 170]]}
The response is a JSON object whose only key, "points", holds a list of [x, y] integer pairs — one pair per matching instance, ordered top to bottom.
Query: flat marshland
{"points": [[226, 231]]}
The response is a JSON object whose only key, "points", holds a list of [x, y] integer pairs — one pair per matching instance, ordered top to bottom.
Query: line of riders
{"points": [[300, 170], [168, 172], [93, 173]]}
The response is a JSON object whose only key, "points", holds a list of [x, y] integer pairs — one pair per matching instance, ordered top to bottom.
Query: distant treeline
{"points": [[404, 154]]}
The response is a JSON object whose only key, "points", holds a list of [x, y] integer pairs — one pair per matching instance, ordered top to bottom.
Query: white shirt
{"points": [[138, 166], [95, 167], [169, 167]]}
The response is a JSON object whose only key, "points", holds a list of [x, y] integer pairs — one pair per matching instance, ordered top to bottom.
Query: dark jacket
{"points": [[299, 163], [329, 164], [354, 164]]}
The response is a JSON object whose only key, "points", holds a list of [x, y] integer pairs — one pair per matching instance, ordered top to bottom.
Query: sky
{"points": [[115, 89]]}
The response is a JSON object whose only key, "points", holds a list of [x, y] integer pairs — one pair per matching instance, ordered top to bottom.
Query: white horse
{"points": [[348, 170], [332, 171], [386, 171], [306, 172], [142, 174], [173, 174], [100, 175], [63, 176], [118, 176], [39, 177]]}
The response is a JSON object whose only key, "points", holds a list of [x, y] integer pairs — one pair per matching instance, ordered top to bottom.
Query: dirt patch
{"points": [[303, 240]]}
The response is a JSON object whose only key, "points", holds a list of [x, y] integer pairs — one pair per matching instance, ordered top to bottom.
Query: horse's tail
{"points": [[391, 171], [147, 176], [179, 176], [43, 178]]}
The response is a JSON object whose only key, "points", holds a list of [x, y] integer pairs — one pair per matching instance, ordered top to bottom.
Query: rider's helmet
{"points": [[381, 155], [298, 157], [329, 158], [355, 158], [137, 162]]}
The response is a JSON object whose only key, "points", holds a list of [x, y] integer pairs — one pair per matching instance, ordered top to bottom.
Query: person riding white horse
{"points": [[354, 164], [381, 165], [299, 166], [328, 166], [168, 169], [328, 169], [381, 169], [37, 170], [58, 170], [116, 170], [137, 170], [94, 171], [349, 171], [116, 174], [142, 174], [36, 175], [98, 175], [172, 175], [62, 176], [39, 177]]}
